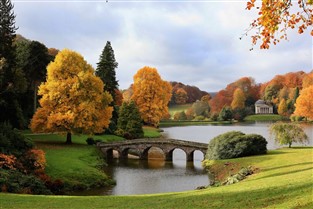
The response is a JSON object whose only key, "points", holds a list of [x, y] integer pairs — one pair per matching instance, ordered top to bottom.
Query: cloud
{"points": [[196, 43]]}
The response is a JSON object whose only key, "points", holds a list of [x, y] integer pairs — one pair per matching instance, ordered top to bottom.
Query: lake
{"points": [[157, 176]]}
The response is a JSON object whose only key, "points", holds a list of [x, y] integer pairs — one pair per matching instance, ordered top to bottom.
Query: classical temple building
{"points": [[262, 108]]}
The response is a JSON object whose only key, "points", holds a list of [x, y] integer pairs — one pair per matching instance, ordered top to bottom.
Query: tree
{"points": [[276, 17], [7, 31], [106, 71], [12, 81], [151, 94], [180, 96], [238, 99], [72, 100], [304, 103], [282, 107], [201, 108], [225, 114], [180, 115], [129, 124], [286, 133]]}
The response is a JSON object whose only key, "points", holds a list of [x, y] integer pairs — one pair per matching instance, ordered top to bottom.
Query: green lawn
{"points": [[178, 108], [270, 117], [151, 132], [78, 165], [284, 181]]}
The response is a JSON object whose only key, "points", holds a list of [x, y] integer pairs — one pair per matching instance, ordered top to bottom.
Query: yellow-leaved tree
{"points": [[151, 94], [238, 99], [72, 100], [304, 103]]}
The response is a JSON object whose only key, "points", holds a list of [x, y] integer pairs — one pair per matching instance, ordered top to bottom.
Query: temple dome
{"points": [[259, 102]]}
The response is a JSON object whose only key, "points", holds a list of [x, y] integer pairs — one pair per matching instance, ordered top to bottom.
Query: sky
{"points": [[193, 42]]}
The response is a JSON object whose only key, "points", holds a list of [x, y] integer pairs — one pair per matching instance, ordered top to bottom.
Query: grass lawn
{"points": [[178, 108], [270, 117], [169, 123], [151, 132], [77, 165], [283, 181]]}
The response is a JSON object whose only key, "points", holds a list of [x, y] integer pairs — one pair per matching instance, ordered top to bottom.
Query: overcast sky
{"points": [[193, 42]]}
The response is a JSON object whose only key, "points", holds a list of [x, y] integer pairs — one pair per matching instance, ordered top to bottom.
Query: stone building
{"points": [[262, 108]]}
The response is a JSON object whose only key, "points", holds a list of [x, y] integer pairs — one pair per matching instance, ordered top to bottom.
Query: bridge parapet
{"points": [[143, 146]]}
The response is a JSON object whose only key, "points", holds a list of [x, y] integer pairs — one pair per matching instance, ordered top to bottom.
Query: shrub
{"points": [[180, 116], [90, 141], [235, 144]]}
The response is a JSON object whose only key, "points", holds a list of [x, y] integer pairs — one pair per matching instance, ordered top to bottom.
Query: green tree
{"points": [[32, 58], [106, 71], [12, 80], [72, 100], [282, 107], [201, 108], [225, 114], [180, 116], [129, 124], [286, 133]]}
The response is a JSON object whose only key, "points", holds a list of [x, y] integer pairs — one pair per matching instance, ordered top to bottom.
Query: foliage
{"points": [[276, 17], [106, 72], [12, 81], [193, 92], [151, 95], [180, 96], [76, 97], [238, 100], [304, 103], [201, 108], [283, 108], [225, 114], [239, 114], [180, 116], [129, 124], [286, 133], [90, 141], [13, 142], [235, 144], [7, 162], [15, 182]]}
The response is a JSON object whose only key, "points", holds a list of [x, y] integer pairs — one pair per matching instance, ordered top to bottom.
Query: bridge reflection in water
{"points": [[142, 147]]}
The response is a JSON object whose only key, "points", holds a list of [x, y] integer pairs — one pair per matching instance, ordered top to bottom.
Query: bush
{"points": [[180, 116], [90, 141], [235, 144]]}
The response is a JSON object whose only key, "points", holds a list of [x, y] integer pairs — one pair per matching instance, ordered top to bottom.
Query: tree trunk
{"points": [[68, 138], [289, 145]]}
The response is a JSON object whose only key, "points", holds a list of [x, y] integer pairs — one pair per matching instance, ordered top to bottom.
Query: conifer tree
{"points": [[106, 71], [12, 80]]}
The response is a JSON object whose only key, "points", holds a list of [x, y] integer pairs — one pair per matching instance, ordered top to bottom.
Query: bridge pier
{"points": [[169, 155], [189, 156]]}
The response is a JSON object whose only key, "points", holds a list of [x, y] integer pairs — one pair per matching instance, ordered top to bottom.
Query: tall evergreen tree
{"points": [[106, 71], [12, 79]]}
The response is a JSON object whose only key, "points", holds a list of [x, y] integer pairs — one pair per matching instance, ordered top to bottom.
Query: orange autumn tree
{"points": [[275, 17], [151, 94], [238, 99], [72, 100], [304, 103]]}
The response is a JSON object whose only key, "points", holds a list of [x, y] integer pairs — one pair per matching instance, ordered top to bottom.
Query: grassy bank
{"points": [[178, 108], [270, 117], [171, 123], [151, 132], [77, 165], [283, 181]]}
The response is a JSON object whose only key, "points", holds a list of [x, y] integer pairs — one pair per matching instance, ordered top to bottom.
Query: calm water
{"points": [[156, 176]]}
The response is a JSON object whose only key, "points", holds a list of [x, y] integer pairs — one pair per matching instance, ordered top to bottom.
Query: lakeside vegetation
{"points": [[264, 117], [171, 123], [284, 180]]}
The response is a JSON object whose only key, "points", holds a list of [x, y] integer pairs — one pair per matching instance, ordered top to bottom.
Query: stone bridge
{"points": [[142, 146]]}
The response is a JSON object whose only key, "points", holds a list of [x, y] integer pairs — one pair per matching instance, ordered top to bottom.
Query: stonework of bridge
{"points": [[142, 146]]}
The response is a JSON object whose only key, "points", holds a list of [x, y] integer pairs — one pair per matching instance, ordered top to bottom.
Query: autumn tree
{"points": [[276, 17], [151, 94], [180, 96], [238, 99], [72, 100], [304, 103], [282, 107], [201, 108], [225, 114], [287, 133]]}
